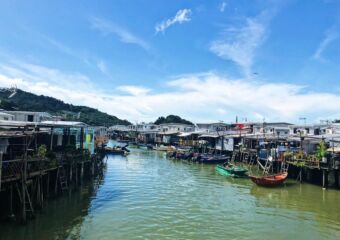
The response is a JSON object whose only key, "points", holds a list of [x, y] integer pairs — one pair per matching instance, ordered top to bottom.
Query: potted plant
{"points": [[42, 150]]}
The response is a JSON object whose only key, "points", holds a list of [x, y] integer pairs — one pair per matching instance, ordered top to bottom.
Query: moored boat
{"points": [[145, 146], [164, 148], [117, 150], [212, 159], [229, 169], [270, 181]]}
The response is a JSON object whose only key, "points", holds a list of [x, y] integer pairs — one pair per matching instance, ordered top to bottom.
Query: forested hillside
{"points": [[25, 101]]}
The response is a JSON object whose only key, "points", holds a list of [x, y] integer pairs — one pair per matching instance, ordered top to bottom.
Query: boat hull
{"points": [[213, 160], [232, 172], [270, 181]]}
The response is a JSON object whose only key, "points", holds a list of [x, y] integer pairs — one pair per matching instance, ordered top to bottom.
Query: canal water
{"points": [[147, 196]]}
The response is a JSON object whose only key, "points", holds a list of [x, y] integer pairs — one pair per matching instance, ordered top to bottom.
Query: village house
{"points": [[27, 116]]}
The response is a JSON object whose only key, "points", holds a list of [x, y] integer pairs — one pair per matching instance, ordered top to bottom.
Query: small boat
{"points": [[145, 146], [164, 148], [117, 150], [213, 159], [231, 170], [270, 181]]}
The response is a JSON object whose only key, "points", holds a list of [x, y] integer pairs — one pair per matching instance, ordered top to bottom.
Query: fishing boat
{"points": [[145, 146], [164, 148], [117, 150], [212, 159], [231, 170], [270, 181]]}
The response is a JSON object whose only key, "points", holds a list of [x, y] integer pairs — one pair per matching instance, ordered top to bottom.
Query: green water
{"points": [[147, 196]]}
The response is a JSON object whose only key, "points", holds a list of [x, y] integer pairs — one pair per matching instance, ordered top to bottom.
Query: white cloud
{"points": [[222, 6], [183, 15], [125, 36], [330, 36], [240, 44], [33, 73], [133, 90], [198, 97]]}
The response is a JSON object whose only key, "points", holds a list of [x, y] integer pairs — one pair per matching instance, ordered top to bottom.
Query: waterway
{"points": [[147, 196]]}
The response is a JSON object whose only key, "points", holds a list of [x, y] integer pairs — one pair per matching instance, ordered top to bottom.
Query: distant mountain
{"points": [[25, 101], [172, 119]]}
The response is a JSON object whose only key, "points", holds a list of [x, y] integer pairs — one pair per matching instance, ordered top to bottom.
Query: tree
{"points": [[172, 119]]}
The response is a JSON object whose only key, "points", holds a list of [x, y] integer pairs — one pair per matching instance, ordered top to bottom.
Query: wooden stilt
{"points": [[51, 143], [0, 167], [71, 167], [82, 171], [76, 173], [324, 178], [336, 178], [56, 182], [23, 183], [48, 185], [38, 192], [11, 215]]}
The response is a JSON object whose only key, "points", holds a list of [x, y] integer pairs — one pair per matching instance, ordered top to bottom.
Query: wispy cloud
{"points": [[222, 6], [183, 15], [107, 27], [330, 36], [239, 44], [87, 58], [102, 66], [188, 95]]}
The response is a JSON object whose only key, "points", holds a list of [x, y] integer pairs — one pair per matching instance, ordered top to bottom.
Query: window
{"points": [[30, 118]]}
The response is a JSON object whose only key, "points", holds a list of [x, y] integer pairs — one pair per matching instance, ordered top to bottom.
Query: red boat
{"points": [[270, 181]]}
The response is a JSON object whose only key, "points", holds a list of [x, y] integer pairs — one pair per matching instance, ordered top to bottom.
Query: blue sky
{"points": [[203, 60]]}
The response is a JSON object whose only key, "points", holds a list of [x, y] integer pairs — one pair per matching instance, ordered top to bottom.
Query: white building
{"points": [[26, 116], [6, 117], [211, 127], [176, 128]]}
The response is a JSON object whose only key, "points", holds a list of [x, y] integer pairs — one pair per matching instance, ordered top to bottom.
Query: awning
{"points": [[167, 133], [185, 134], [208, 136]]}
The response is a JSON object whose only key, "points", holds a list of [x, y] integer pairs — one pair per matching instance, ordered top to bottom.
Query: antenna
{"points": [[303, 119]]}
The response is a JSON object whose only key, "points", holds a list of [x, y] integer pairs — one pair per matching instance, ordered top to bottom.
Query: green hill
{"points": [[25, 101], [172, 119]]}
